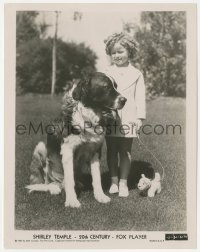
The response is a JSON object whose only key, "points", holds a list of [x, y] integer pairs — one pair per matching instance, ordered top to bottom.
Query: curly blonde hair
{"points": [[125, 40]]}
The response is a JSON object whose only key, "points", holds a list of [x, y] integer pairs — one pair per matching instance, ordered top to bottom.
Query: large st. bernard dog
{"points": [[75, 139]]}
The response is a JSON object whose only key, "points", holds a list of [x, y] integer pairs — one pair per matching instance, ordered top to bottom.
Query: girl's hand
{"points": [[138, 124]]}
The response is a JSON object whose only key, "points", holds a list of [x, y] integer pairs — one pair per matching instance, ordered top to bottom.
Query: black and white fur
{"points": [[56, 165]]}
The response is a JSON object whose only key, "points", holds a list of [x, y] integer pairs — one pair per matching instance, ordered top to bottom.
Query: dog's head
{"points": [[99, 91], [144, 183]]}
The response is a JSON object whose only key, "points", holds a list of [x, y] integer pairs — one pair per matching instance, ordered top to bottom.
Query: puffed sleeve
{"points": [[140, 98]]}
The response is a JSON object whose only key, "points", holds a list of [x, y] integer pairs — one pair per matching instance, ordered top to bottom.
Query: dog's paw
{"points": [[28, 187], [54, 189], [151, 195], [102, 198], [72, 202]]}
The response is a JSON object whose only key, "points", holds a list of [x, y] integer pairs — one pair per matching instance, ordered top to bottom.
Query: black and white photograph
{"points": [[103, 142]]}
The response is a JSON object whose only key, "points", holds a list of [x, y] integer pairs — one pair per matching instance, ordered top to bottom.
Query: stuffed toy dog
{"points": [[151, 186]]}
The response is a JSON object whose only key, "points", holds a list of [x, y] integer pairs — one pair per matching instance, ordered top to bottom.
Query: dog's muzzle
{"points": [[120, 102]]}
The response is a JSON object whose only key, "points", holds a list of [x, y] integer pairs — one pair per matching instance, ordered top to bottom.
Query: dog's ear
{"points": [[80, 91], [76, 94], [142, 175]]}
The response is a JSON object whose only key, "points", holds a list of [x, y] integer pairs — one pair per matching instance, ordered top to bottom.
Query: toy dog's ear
{"points": [[142, 175]]}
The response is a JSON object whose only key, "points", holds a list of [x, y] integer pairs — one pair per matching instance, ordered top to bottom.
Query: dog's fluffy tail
{"points": [[38, 164], [157, 176], [37, 187], [53, 188]]}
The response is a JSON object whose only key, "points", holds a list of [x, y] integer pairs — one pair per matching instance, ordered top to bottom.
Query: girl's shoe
{"points": [[114, 189], [123, 190]]}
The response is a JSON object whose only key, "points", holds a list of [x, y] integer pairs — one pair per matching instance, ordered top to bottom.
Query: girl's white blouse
{"points": [[130, 84]]}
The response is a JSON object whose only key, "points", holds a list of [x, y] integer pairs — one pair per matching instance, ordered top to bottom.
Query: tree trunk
{"points": [[54, 57]]}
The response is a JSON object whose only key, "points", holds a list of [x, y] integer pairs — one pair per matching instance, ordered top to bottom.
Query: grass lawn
{"points": [[164, 212]]}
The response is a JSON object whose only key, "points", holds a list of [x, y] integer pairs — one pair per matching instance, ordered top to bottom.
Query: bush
{"points": [[162, 52], [34, 58], [34, 64]]}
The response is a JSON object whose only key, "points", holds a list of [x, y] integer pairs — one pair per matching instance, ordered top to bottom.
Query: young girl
{"points": [[130, 83]]}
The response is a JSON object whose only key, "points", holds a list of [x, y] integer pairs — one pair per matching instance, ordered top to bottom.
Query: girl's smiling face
{"points": [[119, 55]]}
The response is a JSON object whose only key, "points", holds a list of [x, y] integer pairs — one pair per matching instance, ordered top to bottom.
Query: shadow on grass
{"points": [[137, 168]]}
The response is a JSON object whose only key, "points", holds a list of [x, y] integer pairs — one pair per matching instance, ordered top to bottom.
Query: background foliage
{"points": [[162, 52], [161, 55], [34, 57]]}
